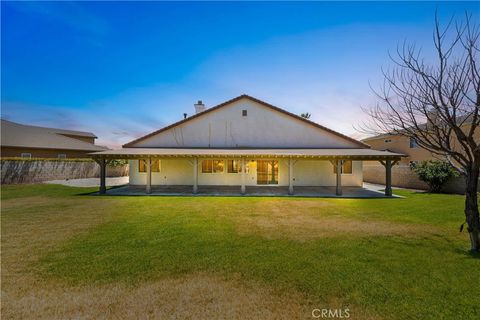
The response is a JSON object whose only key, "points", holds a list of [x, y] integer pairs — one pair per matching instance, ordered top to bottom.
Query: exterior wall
{"points": [[261, 128], [401, 144], [43, 153], [34, 171], [306, 173]]}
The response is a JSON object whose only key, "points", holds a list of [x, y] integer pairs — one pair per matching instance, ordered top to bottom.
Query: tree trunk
{"points": [[471, 207]]}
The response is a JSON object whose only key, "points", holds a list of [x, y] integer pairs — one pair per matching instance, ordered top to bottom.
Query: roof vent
{"points": [[199, 106]]}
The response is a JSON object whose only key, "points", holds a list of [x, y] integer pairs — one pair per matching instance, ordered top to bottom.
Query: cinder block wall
{"points": [[34, 171], [403, 177]]}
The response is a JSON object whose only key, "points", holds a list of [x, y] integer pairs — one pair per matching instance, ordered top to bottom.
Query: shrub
{"points": [[117, 162], [435, 173]]}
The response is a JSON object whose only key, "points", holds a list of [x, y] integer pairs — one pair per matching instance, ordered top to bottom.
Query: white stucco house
{"points": [[245, 142]]}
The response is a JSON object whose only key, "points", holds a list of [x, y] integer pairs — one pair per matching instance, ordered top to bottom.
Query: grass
{"points": [[219, 257]]}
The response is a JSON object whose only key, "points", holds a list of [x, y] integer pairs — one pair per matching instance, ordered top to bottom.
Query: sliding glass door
{"points": [[267, 172]]}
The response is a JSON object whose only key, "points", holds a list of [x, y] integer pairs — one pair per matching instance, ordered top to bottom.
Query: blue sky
{"points": [[124, 69]]}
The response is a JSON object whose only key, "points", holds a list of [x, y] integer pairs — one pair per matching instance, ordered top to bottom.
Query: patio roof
{"points": [[354, 154]]}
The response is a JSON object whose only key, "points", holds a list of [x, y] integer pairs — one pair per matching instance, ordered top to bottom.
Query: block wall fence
{"points": [[35, 171], [403, 177]]}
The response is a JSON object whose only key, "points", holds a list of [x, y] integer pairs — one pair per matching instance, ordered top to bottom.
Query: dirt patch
{"points": [[305, 220], [190, 297]]}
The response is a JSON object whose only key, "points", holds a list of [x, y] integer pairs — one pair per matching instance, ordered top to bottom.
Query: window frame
{"points": [[413, 144], [26, 155], [62, 156], [218, 161], [234, 162], [142, 164], [212, 166], [343, 168]]}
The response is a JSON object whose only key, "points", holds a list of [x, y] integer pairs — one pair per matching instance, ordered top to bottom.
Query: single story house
{"points": [[26, 141], [246, 142]]}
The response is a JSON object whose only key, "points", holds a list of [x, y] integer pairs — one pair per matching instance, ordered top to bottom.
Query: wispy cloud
{"points": [[308, 72]]}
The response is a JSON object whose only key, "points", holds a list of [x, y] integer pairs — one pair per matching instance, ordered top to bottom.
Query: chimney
{"points": [[199, 106]]}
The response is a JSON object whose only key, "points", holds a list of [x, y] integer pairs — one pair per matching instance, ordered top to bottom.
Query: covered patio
{"points": [[336, 157], [251, 191]]}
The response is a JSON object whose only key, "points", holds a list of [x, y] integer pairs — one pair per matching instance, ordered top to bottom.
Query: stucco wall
{"points": [[261, 128], [33, 171], [306, 173]]}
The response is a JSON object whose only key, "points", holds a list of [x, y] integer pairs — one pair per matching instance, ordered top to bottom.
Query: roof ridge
{"points": [[56, 130], [129, 144]]}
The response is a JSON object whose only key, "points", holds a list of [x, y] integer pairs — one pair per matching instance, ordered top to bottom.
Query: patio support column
{"points": [[148, 164], [103, 170], [195, 175], [243, 176], [290, 176], [339, 177], [388, 178]]}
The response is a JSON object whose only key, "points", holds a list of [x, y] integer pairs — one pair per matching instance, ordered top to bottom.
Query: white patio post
{"points": [[148, 164], [195, 175], [243, 176], [290, 176], [339, 177]]}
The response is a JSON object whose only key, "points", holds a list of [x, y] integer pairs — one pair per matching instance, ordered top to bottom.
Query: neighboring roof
{"points": [[463, 120], [19, 135], [380, 136], [131, 143], [281, 153]]}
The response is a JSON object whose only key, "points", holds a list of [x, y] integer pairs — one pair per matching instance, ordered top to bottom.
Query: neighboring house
{"points": [[25, 141], [245, 142], [401, 144], [409, 147], [402, 175]]}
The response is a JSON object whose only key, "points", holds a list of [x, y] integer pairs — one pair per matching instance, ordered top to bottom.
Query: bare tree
{"points": [[437, 104]]}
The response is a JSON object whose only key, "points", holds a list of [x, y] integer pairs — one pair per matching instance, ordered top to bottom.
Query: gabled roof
{"points": [[212, 109], [26, 136]]}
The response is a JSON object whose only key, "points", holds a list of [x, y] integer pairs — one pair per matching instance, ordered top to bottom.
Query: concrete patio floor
{"points": [[260, 191]]}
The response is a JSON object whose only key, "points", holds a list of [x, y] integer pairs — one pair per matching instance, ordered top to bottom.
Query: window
{"points": [[244, 113], [388, 140], [413, 143], [26, 155], [61, 156], [207, 166], [212, 166], [217, 166], [234, 166], [346, 167], [143, 168]]}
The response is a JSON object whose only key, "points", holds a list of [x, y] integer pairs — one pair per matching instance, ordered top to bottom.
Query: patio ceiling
{"points": [[323, 154]]}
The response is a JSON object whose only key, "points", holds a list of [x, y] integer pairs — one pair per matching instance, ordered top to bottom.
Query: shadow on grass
{"points": [[95, 192]]}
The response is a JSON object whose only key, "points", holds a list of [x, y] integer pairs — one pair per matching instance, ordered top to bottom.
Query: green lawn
{"points": [[381, 258]]}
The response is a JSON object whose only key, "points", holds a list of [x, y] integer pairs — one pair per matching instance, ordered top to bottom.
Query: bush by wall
{"points": [[19, 170]]}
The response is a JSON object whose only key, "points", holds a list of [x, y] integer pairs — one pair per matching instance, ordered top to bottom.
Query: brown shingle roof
{"points": [[20, 135]]}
